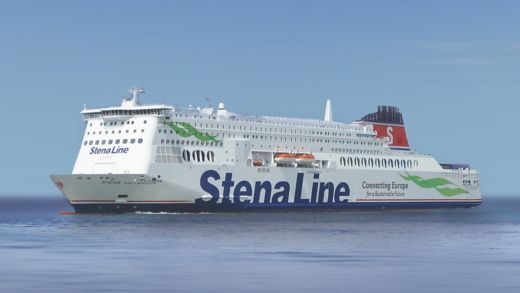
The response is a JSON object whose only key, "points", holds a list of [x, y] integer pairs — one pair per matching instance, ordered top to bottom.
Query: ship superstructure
{"points": [[165, 158]]}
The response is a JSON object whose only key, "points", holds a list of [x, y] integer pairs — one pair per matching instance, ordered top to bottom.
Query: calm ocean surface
{"points": [[461, 250]]}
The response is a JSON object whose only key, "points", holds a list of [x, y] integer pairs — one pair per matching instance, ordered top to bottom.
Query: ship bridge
{"points": [[130, 107]]}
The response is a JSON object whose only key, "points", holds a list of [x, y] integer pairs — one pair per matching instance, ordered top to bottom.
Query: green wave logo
{"points": [[185, 130], [442, 185]]}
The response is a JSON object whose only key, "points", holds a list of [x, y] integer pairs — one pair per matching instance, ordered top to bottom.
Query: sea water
{"points": [[451, 250]]}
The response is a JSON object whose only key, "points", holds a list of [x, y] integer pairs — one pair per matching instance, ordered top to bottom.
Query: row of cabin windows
{"points": [[127, 112], [262, 121], [114, 123], [270, 129], [113, 132], [270, 137], [112, 141], [192, 142], [356, 151], [198, 156], [378, 163]]}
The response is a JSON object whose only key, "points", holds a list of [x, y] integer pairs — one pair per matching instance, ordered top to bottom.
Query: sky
{"points": [[451, 66]]}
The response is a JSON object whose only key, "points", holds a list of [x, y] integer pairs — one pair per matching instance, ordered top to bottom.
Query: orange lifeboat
{"points": [[284, 158], [305, 158], [258, 163]]}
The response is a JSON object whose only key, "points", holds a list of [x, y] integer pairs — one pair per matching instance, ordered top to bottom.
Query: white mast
{"points": [[133, 100], [328, 111]]}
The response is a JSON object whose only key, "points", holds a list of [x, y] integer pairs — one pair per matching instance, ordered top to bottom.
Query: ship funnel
{"points": [[328, 111], [388, 122]]}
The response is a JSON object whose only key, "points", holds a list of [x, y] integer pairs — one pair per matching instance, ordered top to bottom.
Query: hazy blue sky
{"points": [[451, 66]]}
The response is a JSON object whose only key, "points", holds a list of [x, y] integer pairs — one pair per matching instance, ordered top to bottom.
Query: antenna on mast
{"points": [[134, 94]]}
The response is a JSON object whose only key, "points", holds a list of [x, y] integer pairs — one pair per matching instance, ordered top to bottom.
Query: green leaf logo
{"points": [[184, 129], [442, 185]]}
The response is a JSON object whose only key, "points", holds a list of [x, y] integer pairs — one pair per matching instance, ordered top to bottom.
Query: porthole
{"points": [[144, 121], [132, 140], [140, 140], [103, 141], [110, 141], [117, 141], [125, 141], [85, 142], [90, 142]]}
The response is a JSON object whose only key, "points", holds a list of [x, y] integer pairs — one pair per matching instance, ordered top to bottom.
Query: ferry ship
{"points": [[164, 158]]}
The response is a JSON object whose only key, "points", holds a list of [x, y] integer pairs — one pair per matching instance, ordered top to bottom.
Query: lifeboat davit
{"points": [[284, 158], [305, 158]]}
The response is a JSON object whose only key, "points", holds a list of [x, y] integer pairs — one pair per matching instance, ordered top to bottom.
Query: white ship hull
{"points": [[181, 190]]}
